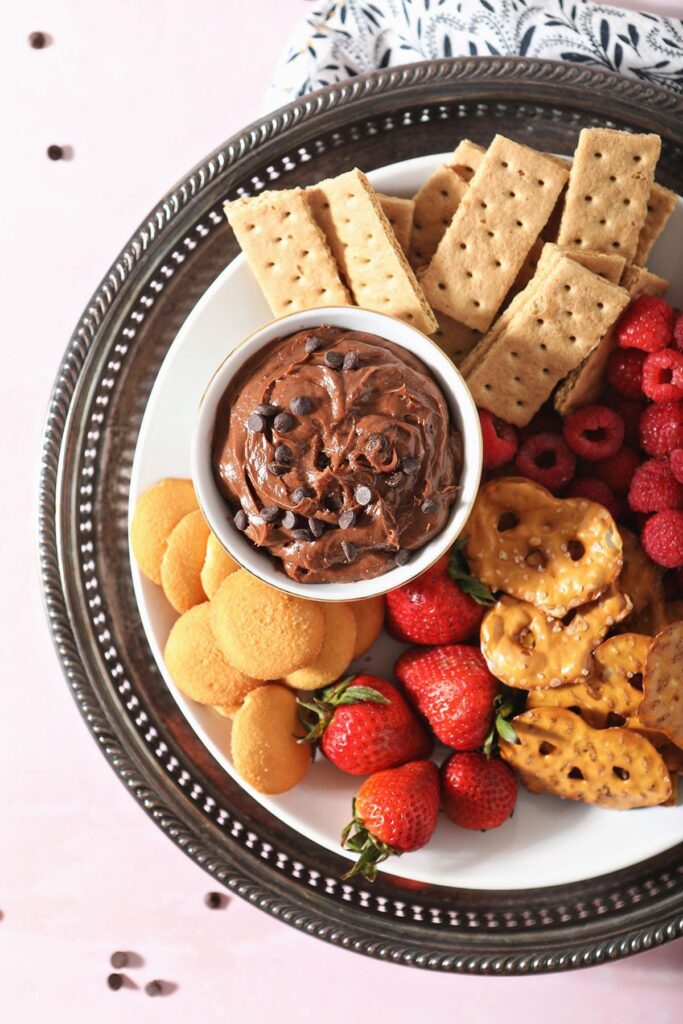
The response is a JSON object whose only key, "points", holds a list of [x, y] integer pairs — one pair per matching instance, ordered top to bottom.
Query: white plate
{"points": [[547, 841]]}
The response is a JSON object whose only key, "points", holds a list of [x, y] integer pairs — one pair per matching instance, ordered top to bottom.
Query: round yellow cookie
{"points": [[157, 512], [182, 563], [217, 565], [369, 621], [263, 632], [337, 650], [196, 664], [227, 710], [264, 747]]}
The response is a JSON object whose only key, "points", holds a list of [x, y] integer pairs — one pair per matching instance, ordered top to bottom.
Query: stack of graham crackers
{"points": [[517, 263]]}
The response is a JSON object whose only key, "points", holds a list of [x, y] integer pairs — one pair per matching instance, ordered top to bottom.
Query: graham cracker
{"points": [[466, 158], [609, 186], [508, 201], [435, 203], [660, 205], [399, 213], [365, 247], [286, 251], [640, 281], [547, 338], [454, 339]]}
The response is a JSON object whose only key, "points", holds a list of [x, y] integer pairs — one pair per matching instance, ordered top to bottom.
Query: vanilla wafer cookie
{"points": [[609, 186], [508, 201], [660, 205], [399, 212], [360, 237], [286, 251], [548, 337]]}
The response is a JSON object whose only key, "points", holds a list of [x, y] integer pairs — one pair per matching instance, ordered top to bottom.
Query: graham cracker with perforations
{"points": [[466, 158], [609, 186], [508, 201], [435, 204], [660, 206], [399, 212], [286, 251], [372, 262], [550, 335], [454, 339]]}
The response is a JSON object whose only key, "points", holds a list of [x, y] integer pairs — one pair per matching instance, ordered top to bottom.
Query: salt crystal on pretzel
{"points": [[556, 553], [526, 648], [662, 704], [558, 753]]}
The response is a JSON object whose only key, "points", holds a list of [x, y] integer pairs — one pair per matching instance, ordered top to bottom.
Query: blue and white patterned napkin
{"points": [[342, 38]]}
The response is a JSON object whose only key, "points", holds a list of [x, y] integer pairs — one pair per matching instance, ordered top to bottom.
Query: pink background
{"points": [[141, 91]]}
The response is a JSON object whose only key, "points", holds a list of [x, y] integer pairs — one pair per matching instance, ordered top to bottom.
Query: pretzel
{"points": [[557, 553], [640, 578], [526, 648], [612, 693], [662, 704], [559, 753]]}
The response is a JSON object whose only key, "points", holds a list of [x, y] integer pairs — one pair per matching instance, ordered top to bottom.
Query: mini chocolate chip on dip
{"points": [[370, 465]]}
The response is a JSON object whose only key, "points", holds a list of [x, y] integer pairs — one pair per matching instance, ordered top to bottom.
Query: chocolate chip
{"points": [[37, 40], [55, 152], [313, 343], [335, 360], [351, 361], [301, 405], [267, 410], [283, 422], [256, 423], [377, 443], [283, 454], [322, 460], [410, 465], [277, 469], [394, 479], [299, 493], [363, 495], [332, 502], [429, 505], [270, 513], [347, 519], [289, 520], [241, 522], [316, 527], [301, 534], [349, 550], [402, 557], [213, 900], [119, 959], [115, 981], [153, 988]]}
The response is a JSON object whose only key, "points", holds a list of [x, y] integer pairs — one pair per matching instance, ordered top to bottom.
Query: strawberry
{"points": [[443, 606], [454, 690], [364, 725], [478, 792], [395, 811]]}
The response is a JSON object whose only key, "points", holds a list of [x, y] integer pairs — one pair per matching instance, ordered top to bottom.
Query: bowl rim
{"points": [[458, 397]]}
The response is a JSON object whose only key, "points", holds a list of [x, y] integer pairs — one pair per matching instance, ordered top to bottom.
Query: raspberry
{"points": [[647, 324], [678, 332], [625, 371], [663, 376], [629, 409], [545, 421], [661, 428], [595, 432], [500, 440], [546, 459], [676, 460], [618, 469], [654, 487], [596, 490], [662, 538]]}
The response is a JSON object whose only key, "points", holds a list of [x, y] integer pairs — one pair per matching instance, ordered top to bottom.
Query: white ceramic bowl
{"points": [[463, 411]]}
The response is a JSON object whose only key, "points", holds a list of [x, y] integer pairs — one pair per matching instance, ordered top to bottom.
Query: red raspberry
{"points": [[646, 324], [678, 332], [625, 371], [663, 376], [629, 409], [546, 421], [661, 428], [595, 432], [500, 440], [546, 459], [676, 460], [618, 469], [654, 487], [592, 489], [662, 538]]}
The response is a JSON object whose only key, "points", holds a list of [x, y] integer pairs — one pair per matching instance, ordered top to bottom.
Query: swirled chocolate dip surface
{"points": [[336, 452]]}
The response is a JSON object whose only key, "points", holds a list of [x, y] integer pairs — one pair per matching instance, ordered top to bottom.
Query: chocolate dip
{"points": [[336, 453]]}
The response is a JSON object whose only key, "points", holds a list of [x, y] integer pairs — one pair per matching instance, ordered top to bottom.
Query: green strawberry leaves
{"points": [[459, 570], [505, 707], [317, 714], [371, 851]]}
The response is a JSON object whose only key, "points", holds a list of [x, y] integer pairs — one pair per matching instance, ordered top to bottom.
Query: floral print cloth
{"points": [[342, 38]]}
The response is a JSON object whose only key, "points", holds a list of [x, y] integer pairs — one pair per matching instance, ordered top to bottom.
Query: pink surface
{"points": [[141, 92]]}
